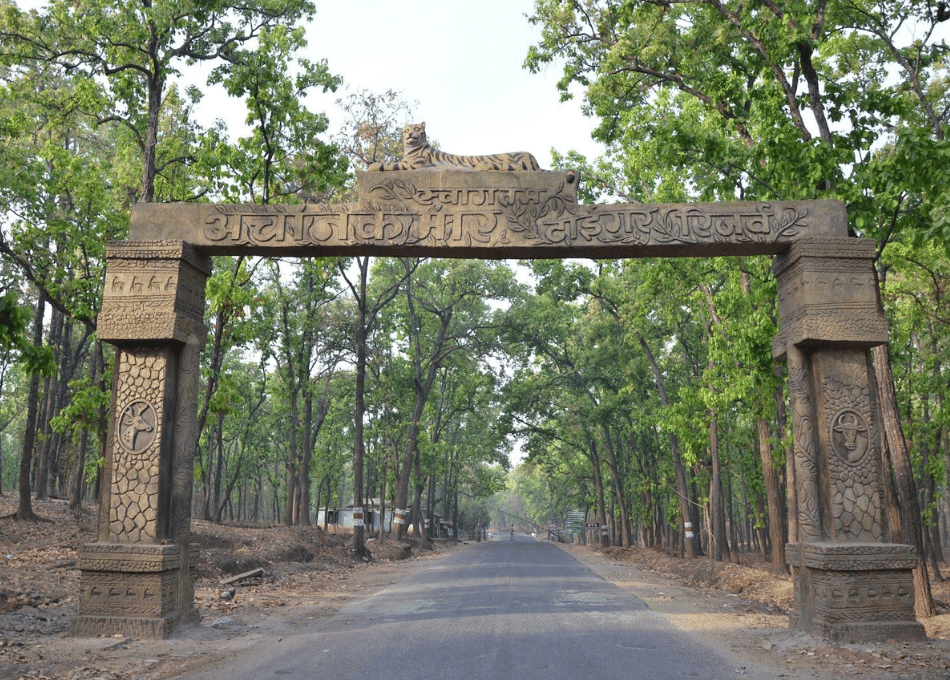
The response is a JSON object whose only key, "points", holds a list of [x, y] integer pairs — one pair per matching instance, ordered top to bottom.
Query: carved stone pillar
{"points": [[138, 577], [851, 585]]}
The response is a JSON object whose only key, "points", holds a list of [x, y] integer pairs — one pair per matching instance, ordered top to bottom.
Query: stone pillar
{"points": [[138, 577], [851, 584]]}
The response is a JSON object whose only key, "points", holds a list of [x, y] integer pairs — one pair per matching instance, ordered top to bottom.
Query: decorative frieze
{"points": [[488, 214], [154, 290], [827, 294], [133, 589], [853, 592]]}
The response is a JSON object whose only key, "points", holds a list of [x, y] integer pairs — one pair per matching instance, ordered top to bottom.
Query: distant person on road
{"points": [[512, 534]]}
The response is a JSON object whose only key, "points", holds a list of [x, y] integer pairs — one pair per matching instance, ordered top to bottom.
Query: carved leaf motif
{"points": [[398, 191], [524, 217], [789, 224], [669, 229], [809, 521]]}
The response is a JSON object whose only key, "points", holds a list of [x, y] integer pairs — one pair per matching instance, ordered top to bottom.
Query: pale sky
{"points": [[461, 60]]}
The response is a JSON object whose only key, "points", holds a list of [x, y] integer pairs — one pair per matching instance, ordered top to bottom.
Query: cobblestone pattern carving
{"points": [[848, 410], [136, 474]]}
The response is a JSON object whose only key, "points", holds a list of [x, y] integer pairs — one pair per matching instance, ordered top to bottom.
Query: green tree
{"points": [[135, 49], [772, 101], [283, 157], [445, 311]]}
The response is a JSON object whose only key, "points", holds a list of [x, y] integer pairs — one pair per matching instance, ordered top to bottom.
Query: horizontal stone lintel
{"points": [[506, 225], [828, 556]]}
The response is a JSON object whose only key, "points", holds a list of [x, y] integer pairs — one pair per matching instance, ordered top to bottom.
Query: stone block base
{"points": [[143, 591], [854, 593], [138, 628]]}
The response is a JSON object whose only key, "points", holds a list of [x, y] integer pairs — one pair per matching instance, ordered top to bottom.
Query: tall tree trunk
{"points": [[422, 381], [305, 457], [218, 465], [614, 467], [41, 481], [79, 481], [293, 481], [906, 489], [773, 494], [25, 508], [428, 520], [417, 523], [381, 534], [690, 535], [602, 536], [762, 536], [931, 536], [720, 546]]}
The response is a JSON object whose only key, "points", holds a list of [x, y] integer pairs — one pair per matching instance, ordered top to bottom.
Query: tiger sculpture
{"points": [[418, 154]]}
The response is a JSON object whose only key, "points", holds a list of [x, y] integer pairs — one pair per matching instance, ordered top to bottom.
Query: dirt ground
{"points": [[310, 574]]}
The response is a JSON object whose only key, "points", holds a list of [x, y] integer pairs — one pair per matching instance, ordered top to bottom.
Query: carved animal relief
{"points": [[418, 154], [137, 427]]}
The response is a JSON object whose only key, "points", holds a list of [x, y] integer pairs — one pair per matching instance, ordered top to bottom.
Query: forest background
{"points": [[642, 392]]}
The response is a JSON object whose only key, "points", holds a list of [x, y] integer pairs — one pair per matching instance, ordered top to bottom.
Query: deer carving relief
{"points": [[134, 424]]}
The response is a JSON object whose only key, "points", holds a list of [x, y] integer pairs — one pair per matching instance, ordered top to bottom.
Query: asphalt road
{"points": [[518, 610]]}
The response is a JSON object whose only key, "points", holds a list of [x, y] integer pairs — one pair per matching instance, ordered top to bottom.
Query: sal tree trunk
{"points": [[896, 449], [774, 499], [25, 509]]}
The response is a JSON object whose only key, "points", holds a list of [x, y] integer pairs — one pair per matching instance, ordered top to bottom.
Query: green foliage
{"points": [[731, 100], [283, 158], [14, 319], [81, 414]]}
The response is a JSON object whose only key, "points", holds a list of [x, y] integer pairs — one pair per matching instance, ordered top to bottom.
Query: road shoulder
{"points": [[755, 637]]}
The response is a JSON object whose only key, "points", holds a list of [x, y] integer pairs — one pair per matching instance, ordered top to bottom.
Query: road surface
{"points": [[498, 610]]}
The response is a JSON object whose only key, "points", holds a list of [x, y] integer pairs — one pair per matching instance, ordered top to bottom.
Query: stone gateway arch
{"points": [[138, 576]]}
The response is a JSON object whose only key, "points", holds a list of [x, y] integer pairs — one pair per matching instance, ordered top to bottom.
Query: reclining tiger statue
{"points": [[418, 154]]}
